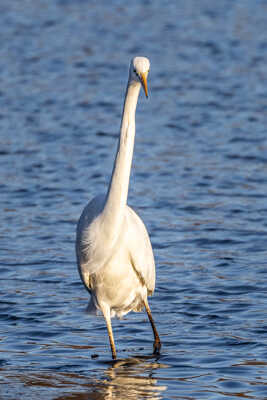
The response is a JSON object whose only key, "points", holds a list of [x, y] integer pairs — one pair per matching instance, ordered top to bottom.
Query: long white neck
{"points": [[117, 194]]}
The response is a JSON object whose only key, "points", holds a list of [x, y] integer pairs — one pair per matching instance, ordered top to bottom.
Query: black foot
{"points": [[156, 347]]}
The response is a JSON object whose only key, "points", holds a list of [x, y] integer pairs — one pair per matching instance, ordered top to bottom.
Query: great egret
{"points": [[114, 253]]}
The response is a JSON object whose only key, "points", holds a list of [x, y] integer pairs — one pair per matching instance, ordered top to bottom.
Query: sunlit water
{"points": [[199, 181]]}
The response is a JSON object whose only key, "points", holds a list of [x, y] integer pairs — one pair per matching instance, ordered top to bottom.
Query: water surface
{"points": [[199, 181]]}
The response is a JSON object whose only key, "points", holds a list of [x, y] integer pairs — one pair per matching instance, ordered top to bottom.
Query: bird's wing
{"points": [[86, 245], [139, 246]]}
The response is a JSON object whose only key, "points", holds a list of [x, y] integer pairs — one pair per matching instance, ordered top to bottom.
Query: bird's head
{"points": [[139, 69]]}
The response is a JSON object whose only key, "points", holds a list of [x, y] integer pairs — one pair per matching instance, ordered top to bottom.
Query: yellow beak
{"points": [[144, 82]]}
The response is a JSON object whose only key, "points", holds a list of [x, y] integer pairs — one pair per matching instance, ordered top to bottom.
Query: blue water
{"points": [[199, 181]]}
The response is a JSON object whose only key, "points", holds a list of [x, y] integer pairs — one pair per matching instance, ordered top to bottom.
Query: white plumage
{"points": [[114, 253]]}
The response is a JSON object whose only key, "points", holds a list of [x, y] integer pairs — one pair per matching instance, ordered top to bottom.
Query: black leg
{"points": [[157, 344]]}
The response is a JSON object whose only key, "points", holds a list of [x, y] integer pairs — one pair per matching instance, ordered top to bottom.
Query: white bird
{"points": [[114, 253]]}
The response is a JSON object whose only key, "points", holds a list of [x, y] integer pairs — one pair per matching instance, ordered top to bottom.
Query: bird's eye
{"points": [[135, 72]]}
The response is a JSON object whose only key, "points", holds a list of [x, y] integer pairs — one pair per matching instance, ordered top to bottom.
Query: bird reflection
{"points": [[132, 378]]}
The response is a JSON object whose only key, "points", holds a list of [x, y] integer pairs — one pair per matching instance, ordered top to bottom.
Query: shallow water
{"points": [[199, 181]]}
